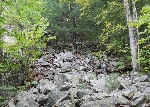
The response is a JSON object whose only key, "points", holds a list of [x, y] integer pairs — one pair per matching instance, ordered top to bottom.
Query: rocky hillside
{"points": [[65, 79]]}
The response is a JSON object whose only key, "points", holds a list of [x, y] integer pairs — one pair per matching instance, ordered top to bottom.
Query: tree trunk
{"points": [[136, 32], [133, 33], [74, 35], [1, 50]]}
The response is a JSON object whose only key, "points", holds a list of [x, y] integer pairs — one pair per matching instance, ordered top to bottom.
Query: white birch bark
{"points": [[132, 32], [136, 32]]}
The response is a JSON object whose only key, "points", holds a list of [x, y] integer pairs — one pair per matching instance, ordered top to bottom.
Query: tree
{"points": [[131, 16], [68, 23], [143, 24], [1, 28], [28, 28]]}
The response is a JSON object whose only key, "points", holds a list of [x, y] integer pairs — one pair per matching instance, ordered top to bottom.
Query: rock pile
{"points": [[68, 80]]}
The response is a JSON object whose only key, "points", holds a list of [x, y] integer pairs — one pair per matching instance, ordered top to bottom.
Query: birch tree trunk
{"points": [[133, 32], [1, 50]]}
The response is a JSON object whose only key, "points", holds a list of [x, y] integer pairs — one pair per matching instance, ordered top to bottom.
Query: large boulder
{"points": [[45, 86], [56, 96], [25, 99]]}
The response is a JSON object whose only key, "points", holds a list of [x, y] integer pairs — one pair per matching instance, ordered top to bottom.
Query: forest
{"points": [[107, 29]]}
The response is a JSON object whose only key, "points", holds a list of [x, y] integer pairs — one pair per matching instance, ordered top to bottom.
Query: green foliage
{"points": [[67, 19], [143, 23], [28, 26], [28, 29], [112, 37], [98, 54], [112, 82], [81, 86], [8, 88], [9, 91]]}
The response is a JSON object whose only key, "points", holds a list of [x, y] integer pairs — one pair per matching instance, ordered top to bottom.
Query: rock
{"points": [[50, 50], [69, 56], [104, 57], [58, 58], [43, 59], [87, 60], [114, 63], [44, 64], [98, 64], [66, 65], [103, 66], [82, 68], [65, 70], [134, 75], [71, 77], [143, 78], [61, 79], [72, 82], [125, 82], [99, 84], [142, 85], [46, 87], [65, 87], [147, 90], [33, 91], [83, 92], [128, 94], [22, 96], [56, 96], [99, 96], [87, 98], [26, 99], [42, 99], [138, 99], [116, 100], [22, 103], [27, 103], [32, 103], [66, 103], [98, 103], [11, 104], [92, 104]]}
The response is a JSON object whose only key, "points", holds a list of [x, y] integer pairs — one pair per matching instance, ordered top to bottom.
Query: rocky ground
{"points": [[65, 79]]}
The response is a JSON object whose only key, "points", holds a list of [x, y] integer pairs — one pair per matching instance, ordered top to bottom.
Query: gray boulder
{"points": [[143, 78], [61, 79], [99, 85], [45, 86], [83, 92], [56, 96], [42, 99], [138, 99], [22, 103], [26, 103], [11, 104]]}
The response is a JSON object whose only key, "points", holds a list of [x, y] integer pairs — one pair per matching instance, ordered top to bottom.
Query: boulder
{"points": [[143, 78], [60, 79], [71, 82], [99, 84], [45, 86], [83, 92], [56, 96], [42, 99], [138, 99], [22, 103], [11, 104]]}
